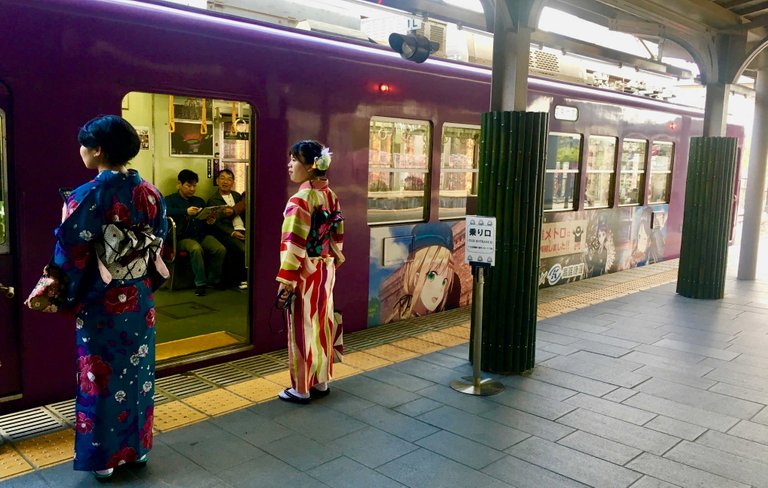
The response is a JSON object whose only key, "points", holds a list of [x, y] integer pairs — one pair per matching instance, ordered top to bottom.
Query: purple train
{"points": [[208, 91]]}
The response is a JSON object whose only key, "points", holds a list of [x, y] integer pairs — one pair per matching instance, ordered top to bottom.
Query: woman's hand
{"points": [[193, 211], [239, 235], [283, 291]]}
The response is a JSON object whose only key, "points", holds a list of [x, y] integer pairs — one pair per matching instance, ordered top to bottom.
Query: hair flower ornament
{"points": [[323, 162]]}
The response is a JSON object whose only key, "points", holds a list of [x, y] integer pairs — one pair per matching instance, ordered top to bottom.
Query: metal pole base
{"points": [[484, 387]]}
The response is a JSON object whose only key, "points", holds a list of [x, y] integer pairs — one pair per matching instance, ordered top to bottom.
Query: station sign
{"points": [[480, 242]]}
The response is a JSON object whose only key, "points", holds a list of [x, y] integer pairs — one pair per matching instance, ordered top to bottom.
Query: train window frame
{"points": [[589, 163], [425, 170], [445, 170], [574, 170], [668, 171], [643, 172], [5, 214]]}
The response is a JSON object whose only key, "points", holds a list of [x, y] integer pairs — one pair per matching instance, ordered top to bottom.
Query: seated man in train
{"points": [[230, 224], [193, 234]]}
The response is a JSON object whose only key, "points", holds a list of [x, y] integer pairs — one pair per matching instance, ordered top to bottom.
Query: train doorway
{"points": [[197, 151], [10, 386]]}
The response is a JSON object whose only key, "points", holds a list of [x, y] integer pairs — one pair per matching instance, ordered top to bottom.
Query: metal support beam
{"points": [[575, 46], [511, 51], [716, 109], [758, 160]]}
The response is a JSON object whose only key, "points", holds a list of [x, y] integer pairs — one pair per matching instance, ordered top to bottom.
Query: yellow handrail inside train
{"points": [[171, 115], [204, 123], [233, 129]]}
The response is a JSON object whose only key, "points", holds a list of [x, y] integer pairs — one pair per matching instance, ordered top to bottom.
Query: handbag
{"points": [[48, 294], [288, 300], [282, 303]]}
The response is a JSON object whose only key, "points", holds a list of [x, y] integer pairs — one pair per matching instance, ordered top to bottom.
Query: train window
{"points": [[213, 138], [662, 154], [458, 169], [601, 169], [398, 170], [562, 171], [632, 175], [4, 227]]}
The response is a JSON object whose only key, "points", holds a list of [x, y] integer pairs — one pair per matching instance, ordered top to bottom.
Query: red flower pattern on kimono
{"points": [[145, 199], [72, 205], [119, 213], [79, 254], [121, 299], [150, 318], [114, 320], [94, 374], [84, 424], [146, 434], [124, 455]]}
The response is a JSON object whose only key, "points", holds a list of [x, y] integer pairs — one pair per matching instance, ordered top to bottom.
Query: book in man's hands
{"points": [[207, 211]]}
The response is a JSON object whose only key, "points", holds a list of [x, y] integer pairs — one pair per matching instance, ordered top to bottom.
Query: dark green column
{"points": [[511, 186], [707, 217]]}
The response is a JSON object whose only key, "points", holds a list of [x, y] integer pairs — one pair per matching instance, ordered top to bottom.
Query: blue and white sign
{"points": [[480, 243]]}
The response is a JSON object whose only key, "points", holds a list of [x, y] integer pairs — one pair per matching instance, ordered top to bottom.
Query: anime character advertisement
{"points": [[649, 233], [579, 245], [416, 270]]}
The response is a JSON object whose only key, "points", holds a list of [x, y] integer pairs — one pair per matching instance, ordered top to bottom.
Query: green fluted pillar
{"points": [[511, 187], [707, 217]]}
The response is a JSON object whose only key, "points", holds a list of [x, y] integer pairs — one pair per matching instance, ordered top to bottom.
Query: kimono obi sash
{"points": [[323, 224], [125, 254]]}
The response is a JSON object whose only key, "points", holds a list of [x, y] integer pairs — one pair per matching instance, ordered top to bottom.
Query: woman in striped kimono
{"points": [[310, 252]]}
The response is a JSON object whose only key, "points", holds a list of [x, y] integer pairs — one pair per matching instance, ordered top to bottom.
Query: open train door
{"points": [[10, 386]]}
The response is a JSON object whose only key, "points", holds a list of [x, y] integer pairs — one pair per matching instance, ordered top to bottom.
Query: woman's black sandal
{"points": [[314, 393], [291, 398]]}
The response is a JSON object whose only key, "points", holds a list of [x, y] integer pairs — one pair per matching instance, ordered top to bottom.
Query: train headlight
{"points": [[413, 47]]}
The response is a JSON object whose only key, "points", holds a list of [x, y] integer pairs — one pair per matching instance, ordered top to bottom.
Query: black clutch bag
{"points": [[284, 300]]}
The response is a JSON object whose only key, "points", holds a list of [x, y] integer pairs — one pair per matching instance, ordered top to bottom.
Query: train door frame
{"points": [[215, 162], [10, 358]]}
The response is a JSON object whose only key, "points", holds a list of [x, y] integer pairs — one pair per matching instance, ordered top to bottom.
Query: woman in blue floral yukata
{"points": [[107, 258]]}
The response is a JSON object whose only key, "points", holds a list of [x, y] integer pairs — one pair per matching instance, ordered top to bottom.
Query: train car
{"points": [[209, 91]]}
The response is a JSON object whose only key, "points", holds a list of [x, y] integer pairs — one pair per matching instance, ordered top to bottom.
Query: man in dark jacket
{"points": [[230, 223], [192, 232]]}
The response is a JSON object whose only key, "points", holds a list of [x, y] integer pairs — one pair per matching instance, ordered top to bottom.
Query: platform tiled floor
{"points": [[646, 389]]}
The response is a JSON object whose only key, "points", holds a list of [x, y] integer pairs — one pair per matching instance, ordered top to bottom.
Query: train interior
{"points": [[205, 136]]}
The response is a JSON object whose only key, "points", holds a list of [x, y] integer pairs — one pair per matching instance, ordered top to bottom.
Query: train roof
{"points": [[179, 18]]}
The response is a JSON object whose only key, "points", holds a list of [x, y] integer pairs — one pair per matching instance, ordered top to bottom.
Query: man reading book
{"points": [[230, 224], [193, 234]]}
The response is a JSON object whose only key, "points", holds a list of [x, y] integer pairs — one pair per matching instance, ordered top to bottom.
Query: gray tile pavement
{"points": [[648, 390]]}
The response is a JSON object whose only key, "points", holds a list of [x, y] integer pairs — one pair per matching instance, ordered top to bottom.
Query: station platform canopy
{"points": [[722, 37], [687, 43]]}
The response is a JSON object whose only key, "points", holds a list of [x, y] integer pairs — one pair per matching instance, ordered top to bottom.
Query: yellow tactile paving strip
{"points": [[368, 350], [257, 390], [217, 402], [169, 416], [48, 449], [11, 462]]}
